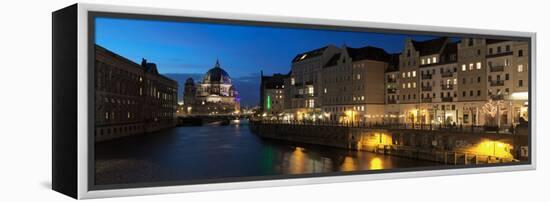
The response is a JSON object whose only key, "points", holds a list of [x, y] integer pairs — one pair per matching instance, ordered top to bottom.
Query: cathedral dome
{"points": [[216, 75]]}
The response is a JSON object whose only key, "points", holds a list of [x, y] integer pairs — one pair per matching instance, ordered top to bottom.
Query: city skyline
{"points": [[184, 49]]}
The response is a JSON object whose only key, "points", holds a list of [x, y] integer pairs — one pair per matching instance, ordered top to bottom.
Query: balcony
{"points": [[498, 68], [446, 74], [426, 76], [391, 80], [497, 82], [447, 87], [426, 88], [392, 90], [447, 99], [426, 100], [392, 101]]}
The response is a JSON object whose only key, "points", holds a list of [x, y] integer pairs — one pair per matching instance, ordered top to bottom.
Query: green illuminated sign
{"points": [[268, 102]]}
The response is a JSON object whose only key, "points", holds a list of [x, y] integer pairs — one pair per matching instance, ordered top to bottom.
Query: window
{"points": [[470, 42], [507, 48], [499, 49], [490, 50], [478, 51], [408, 53], [520, 53], [434, 59], [422, 61], [429, 61], [478, 65], [471, 66], [464, 67], [520, 68], [414, 73], [403, 74], [409, 74], [358, 76], [507, 77], [478, 79], [292, 81], [455, 81], [520, 83], [414, 84], [403, 85], [408, 85], [310, 90], [325, 90], [463, 93], [471, 93], [478, 93], [362, 97], [311, 103]]}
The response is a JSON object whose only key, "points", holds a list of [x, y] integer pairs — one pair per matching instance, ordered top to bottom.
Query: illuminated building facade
{"points": [[468, 81], [273, 94], [215, 95]]}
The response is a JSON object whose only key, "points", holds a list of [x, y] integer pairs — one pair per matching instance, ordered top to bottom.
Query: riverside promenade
{"points": [[448, 144]]}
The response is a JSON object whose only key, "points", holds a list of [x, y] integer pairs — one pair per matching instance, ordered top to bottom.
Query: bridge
{"points": [[200, 119]]}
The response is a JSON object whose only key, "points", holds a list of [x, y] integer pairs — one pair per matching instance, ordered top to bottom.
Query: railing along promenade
{"points": [[400, 126]]}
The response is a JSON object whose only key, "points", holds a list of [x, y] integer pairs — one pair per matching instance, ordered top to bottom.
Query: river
{"points": [[224, 152]]}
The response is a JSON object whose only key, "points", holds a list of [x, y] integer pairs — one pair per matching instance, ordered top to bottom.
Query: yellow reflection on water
{"points": [[297, 161], [349, 164], [375, 164]]}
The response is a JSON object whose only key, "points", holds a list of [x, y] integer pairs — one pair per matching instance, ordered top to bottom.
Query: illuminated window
{"points": [[434, 59], [422, 61], [429, 61], [478, 65], [471, 66], [463, 67], [520, 68], [414, 73], [403, 74], [409, 74], [358, 76], [292, 81], [455, 81], [414, 84], [403, 85], [408, 85], [310, 90], [325, 90], [362, 97], [311, 103], [362, 108]]}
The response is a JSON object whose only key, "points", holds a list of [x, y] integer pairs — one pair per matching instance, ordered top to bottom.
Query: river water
{"points": [[215, 152]]}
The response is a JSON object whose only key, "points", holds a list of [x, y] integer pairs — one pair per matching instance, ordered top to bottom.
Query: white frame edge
{"points": [[82, 86]]}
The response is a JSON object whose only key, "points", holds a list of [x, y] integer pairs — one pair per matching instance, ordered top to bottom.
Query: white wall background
{"points": [[25, 98]]}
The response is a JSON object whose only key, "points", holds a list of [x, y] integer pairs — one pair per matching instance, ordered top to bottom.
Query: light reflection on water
{"points": [[214, 152]]}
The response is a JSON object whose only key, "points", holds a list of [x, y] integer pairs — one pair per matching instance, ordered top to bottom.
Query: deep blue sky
{"points": [[192, 48]]}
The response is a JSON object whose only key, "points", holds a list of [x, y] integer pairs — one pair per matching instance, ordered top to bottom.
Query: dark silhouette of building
{"points": [[130, 98]]}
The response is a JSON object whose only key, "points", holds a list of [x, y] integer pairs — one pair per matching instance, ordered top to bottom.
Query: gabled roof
{"points": [[429, 47], [449, 50], [368, 53], [310, 54], [333, 60], [393, 63]]}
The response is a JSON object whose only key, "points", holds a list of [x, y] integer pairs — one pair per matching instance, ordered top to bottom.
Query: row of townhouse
{"points": [[471, 81]]}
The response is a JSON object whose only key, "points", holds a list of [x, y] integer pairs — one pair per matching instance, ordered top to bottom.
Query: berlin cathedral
{"points": [[215, 95]]}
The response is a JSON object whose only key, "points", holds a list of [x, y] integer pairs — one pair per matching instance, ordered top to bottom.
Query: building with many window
{"points": [[468, 81], [215, 95], [131, 98]]}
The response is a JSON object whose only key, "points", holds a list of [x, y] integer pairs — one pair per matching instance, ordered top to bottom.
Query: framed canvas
{"points": [[151, 101]]}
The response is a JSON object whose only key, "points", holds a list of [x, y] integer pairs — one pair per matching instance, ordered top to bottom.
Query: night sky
{"points": [[183, 50]]}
